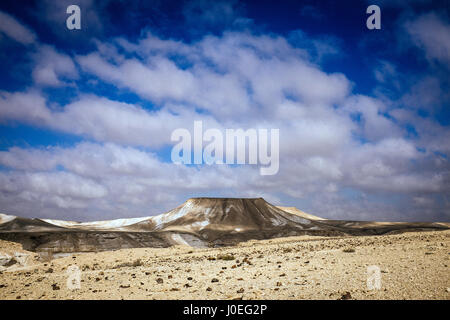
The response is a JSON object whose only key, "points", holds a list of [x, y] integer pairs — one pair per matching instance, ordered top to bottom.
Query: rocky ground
{"points": [[413, 266]]}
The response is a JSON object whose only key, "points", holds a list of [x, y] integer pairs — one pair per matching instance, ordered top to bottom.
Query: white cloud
{"points": [[15, 30], [432, 34], [51, 67], [245, 73], [238, 80], [29, 107], [100, 118], [374, 124]]}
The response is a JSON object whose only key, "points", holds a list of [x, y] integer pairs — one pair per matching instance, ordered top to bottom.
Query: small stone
{"points": [[346, 296]]}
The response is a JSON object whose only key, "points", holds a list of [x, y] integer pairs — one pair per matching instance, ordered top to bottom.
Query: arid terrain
{"points": [[198, 222], [223, 248], [414, 265]]}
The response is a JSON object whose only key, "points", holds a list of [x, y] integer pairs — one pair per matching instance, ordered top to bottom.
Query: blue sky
{"points": [[86, 115]]}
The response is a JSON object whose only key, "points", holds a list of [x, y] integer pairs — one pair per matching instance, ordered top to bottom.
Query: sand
{"points": [[413, 265]]}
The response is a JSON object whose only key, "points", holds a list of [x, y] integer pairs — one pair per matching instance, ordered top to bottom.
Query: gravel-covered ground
{"points": [[413, 266]]}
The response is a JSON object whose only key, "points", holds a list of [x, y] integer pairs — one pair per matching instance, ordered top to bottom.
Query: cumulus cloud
{"points": [[15, 30], [432, 34], [51, 66], [245, 73], [100, 118], [340, 152], [103, 179], [93, 180]]}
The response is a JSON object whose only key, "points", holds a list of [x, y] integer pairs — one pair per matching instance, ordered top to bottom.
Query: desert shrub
{"points": [[227, 257], [135, 263]]}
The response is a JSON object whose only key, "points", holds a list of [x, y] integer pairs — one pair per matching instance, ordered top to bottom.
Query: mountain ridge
{"points": [[198, 222]]}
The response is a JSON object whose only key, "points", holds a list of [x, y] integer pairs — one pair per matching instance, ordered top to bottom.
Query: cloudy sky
{"points": [[86, 115]]}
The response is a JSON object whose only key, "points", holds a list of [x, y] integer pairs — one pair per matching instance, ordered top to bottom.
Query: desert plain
{"points": [[413, 265]]}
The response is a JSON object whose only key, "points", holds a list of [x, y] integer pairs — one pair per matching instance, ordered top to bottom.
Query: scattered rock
{"points": [[21, 258], [6, 260], [159, 280], [215, 280], [55, 287], [241, 290], [346, 296]]}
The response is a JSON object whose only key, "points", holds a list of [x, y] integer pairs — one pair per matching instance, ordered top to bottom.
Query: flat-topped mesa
{"points": [[226, 214], [199, 222]]}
